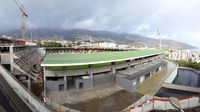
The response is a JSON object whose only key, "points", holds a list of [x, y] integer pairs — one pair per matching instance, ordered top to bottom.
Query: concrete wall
{"points": [[5, 59], [171, 76], [103, 79], [131, 82], [87, 83], [126, 84], [54, 85], [14, 99], [34, 103]]}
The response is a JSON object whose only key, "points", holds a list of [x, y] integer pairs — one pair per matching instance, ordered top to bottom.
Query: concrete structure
{"points": [[17, 59], [18, 62], [91, 76], [129, 79], [168, 81], [180, 87], [26, 96], [148, 103]]}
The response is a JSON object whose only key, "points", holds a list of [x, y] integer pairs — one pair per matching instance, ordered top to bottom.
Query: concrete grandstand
{"points": [[22, 60], [76, 72]]}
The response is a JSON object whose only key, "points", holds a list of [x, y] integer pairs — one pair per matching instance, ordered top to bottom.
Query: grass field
{"points": [[94, 58]]}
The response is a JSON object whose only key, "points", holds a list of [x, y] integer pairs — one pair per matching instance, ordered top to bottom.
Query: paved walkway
{"points": [[153, 84]]}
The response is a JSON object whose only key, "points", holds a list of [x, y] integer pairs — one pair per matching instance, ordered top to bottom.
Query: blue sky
{"points": [[177, 19]]}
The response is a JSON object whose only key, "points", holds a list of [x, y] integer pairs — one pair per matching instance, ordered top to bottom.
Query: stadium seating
{"points": [[29, 60]]}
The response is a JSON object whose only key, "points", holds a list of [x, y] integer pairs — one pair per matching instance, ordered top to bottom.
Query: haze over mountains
{"points": [[71, 34]]}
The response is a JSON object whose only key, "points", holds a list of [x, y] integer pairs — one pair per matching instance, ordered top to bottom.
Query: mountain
{"points": [[71, 34]]}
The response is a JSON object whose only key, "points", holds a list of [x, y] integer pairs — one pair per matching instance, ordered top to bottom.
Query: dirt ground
{"points": [[36, 89], [115, 102]]}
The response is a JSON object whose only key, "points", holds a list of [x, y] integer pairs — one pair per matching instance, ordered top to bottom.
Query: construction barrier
{"points": [[158, 103]]}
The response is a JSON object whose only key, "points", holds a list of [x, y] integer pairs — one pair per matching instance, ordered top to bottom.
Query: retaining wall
{"points": [[34, 103]]}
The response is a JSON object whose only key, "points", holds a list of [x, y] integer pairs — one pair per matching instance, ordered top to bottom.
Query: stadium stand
{"points": [[29, 61]]}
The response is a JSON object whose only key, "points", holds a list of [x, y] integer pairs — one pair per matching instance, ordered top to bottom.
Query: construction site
{"points": [[86, 79]]}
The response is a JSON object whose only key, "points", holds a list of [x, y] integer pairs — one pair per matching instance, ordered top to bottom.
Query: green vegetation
{"points": [[189, 64]]}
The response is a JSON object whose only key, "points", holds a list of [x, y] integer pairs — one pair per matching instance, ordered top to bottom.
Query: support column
{"points": [[11, 58], [129, 64], [113, 69], [159, 69], [91, 70], [151, 73], [91, 74], [65, 79], [44, 81], [29, 82]]}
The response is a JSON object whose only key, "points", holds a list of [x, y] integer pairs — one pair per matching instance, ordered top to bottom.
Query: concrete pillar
{"points": [[11, 58], [129, 64], [160, 68], [113, 69], [91, 70], [155, 71], [151, 73], [91, 74], [142, 78], [65, 79], [44, 81], [29, 83]]}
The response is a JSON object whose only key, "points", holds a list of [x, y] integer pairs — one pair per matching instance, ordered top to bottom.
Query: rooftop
{"points": [[95, 58]]}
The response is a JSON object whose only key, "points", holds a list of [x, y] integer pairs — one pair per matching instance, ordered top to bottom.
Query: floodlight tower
{"points": [[160, 39]]}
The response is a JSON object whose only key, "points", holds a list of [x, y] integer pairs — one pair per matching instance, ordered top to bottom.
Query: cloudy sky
{"points": [[176, 19]]}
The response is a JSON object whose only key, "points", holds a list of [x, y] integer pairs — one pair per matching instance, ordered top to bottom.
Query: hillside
{"points": [[42, 33]]}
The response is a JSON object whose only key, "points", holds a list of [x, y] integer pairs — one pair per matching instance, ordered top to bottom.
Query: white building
{"points": [[106, 45], [185, 55]]}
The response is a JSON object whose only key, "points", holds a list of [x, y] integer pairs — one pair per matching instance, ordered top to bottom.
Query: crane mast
{"points": [[24, 14]]}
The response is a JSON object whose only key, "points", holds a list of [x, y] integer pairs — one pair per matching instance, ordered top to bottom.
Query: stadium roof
{"points": [[95, 58]]}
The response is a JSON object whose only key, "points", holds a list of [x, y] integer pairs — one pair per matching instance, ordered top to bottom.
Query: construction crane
{"points": [[24, 14]]}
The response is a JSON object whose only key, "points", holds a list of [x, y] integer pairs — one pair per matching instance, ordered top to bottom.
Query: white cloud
{"points": [[177, 19], [85, 24], [143, 27]]}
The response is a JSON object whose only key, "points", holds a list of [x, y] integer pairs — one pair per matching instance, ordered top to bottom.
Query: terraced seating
{"points": [[27, 60]]}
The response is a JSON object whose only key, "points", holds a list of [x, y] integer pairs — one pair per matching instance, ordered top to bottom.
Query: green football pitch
{"points": [[99, 59]]}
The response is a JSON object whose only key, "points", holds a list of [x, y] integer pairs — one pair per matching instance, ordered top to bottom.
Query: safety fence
{"points": [[147, 103]]}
